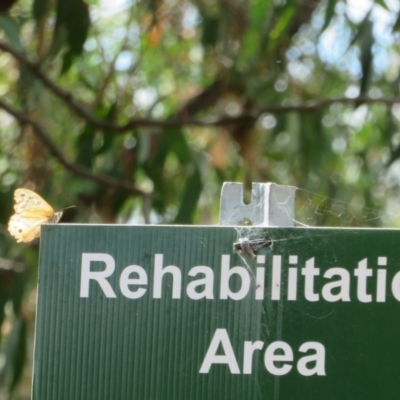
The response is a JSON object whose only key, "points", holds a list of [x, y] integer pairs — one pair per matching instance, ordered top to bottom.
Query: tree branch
{"points": [[80, 110], [23, 119]]}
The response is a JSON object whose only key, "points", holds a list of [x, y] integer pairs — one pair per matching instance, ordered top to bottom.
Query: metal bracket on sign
{"points": [[271, 205]]}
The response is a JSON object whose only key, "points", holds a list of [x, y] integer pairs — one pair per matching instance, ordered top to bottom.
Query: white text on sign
{"points": [[334, 283]]}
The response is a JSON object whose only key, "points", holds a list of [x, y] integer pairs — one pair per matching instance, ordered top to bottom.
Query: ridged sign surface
{"points": [[174, 313]]}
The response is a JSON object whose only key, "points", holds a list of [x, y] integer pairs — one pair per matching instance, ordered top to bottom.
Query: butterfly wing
{"points": [[30, 205], [31, 211], [25, 229]]}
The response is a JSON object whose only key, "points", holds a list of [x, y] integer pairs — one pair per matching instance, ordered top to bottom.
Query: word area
{"points": [[278, 357]]}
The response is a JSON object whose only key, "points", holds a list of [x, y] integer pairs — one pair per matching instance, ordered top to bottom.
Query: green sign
{"points": [[174, 313]]}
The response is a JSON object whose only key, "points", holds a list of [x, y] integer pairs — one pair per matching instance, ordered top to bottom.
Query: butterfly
{"points": [[31, 211]]}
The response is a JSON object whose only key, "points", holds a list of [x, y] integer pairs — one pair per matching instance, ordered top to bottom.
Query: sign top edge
{"points": [[220, 226]]}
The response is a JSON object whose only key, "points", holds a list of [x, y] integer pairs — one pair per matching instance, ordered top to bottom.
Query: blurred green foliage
{"points": [[138, 111]]}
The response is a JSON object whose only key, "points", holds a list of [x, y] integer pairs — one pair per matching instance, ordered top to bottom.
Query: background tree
{"points": [[137, 112]]}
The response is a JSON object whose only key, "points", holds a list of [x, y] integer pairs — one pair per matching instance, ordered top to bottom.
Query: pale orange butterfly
{"points": [[31, 211]]}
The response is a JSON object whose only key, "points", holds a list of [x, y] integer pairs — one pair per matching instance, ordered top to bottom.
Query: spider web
{"points": [[311, 210]]}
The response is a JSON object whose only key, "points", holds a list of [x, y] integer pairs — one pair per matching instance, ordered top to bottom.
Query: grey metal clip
{"points": [[271, 205]]}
